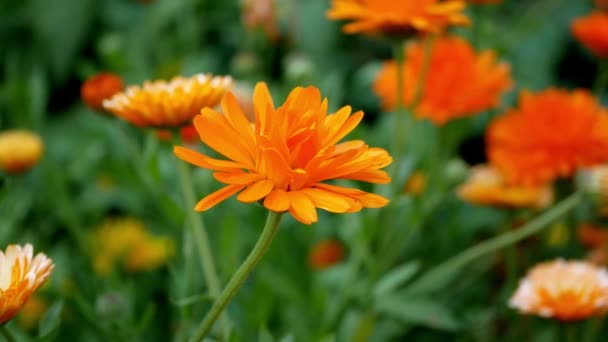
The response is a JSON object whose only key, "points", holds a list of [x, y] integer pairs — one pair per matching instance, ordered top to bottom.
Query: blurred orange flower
{"points": [[261, 14], [401, 18], [592, 32], [458, 82], [100, 87], [168, 104], [187, 134], [550, 135], [19, 150], [287, 156], [416, 183], [486, 186], [592, 236], [325, 254], [21, 274], [564, 290], [31, 313]]}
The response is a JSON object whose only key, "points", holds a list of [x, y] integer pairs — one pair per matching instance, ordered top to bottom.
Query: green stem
{"points": [[426, 65], [601, 81], [401, 120], [199, 233], [441, 274], [238, 278], [593, 328], [570, 332], [8, 336]]}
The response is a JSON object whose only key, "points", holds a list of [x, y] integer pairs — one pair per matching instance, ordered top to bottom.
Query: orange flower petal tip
{"points": [[592, 32], [550, 135], [20, 150], [284, 159], [325, 254], [21, 274], [563, 290]]}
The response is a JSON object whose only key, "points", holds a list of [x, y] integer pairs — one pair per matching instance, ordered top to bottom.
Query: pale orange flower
{"points": [[261, 14], [402, 18], [592, 32], [458, 82], [100, 87], [168, 104], [550, 135], [19, 150], [284, 159], [486, 186], [325, 254], [21, 274], [564, 290]]}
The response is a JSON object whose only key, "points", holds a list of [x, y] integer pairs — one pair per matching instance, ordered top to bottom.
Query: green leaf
{"points": [[397, 277], [415, 310], [49, 325], [264, 335]]}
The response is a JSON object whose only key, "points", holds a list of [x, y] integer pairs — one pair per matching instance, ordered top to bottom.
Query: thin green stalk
{"points": [[426, 65], [601, 81], [401, 120], [199, 233], [441, 274], [238, 278], [592, 329], [570, 332], [8, 336]]}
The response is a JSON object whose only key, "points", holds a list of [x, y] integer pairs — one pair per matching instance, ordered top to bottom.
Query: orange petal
{"points": [[262, 102], [237, 118], [216, 132], [205, 162], [243, 178], [256, 191], [218, 196], [277, 200], [367, 200], [330, 201], [301, 207]]}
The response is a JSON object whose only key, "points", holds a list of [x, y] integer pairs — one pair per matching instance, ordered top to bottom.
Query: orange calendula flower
{"points": [[402, 18], [592, 32], [458, 82], [100, 87], [168, 104], [550, 135], [19, 150], [285, 158], [416, 183], [486, 186], [325, 254], [21, 274], [564, 290]]}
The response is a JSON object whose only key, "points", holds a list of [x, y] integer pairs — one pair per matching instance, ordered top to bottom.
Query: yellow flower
{"points": [[168, 104], [19, 150], [416, 184], [486, 186], [149, 254], [21, 274], [564, 290]]}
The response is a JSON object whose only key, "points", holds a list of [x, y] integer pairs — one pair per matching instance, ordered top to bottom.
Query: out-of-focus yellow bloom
{"points": [[19, 150], [416, 184], [486, 186], [558, 235], [126, 241], [325, 254], [21, 274], [564, 290], [32, 312]]}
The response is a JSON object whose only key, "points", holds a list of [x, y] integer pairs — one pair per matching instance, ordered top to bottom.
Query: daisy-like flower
{"points": [[398, 18], [592, 32], [458, 82], [100, 87], [168, 104], [550, 135], [19, 150], [287, 155], [486, 186], [325, 254], [21, 274], [563, 290]]}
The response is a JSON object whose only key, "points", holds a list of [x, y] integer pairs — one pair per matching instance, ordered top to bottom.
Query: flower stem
{"points": [[601, 80], [401, 120], [199, 233], [441, 274], [238, 278], [8, 336]]}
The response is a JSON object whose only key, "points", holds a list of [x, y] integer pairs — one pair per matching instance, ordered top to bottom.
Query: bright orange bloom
{"points": [[403, 17], [592, 32], [458, 82], [100, 87], [168, 104], [550, 135], [19, 150], [287, 155], [486, 186], [592, 236], [325, 254], [21, 274], [564, 290]]}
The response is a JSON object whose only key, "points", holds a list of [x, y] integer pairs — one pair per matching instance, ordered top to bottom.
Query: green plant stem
{"points": [[601, 81], [401, 119], [199, 233], [438, 276], [238, 278], [592, 329], [570, 332], [8, 336]]}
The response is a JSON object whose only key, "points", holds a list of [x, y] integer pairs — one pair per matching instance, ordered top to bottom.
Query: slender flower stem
{"points": [[601, 80], [401, 120], [199, 233], [438, 276], [238, 278], [8, 336]]}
